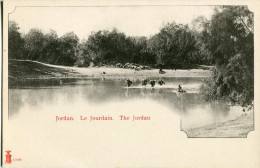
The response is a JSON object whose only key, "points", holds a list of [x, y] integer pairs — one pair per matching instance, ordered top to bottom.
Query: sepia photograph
{"points": [[201, 65], [118, 78]]}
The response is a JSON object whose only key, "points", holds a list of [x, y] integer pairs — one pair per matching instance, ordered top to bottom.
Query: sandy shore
{"points": [[27, 69], [120, 72], [239, 127]]}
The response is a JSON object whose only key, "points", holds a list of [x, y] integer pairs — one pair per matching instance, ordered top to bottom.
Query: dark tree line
{"points": [[226, 41], [38, 46], [175, 46]]}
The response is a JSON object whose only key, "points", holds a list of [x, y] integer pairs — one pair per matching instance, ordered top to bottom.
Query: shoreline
{"points": [[26, 70], [98, 77], [236, 128]]}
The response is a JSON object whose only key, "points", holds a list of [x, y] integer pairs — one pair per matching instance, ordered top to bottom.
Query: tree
{"points": [[200, 30], [230, 39], [15, 42], [34, 44], [173, 45], [109, 47], [51, 48], [68, 49], [140, 53]]}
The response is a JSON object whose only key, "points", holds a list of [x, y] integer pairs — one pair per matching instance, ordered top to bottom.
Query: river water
{"points": [[56, 96], [33, 133]]}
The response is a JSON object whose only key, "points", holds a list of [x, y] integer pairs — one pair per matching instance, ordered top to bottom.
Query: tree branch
{"points": [[245, 25]]}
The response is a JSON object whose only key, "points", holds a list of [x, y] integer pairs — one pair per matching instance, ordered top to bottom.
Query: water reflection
{"points": [[34, 94]]}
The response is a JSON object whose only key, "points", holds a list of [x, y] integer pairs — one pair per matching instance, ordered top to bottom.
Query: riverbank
{"points": [[27, 69], [239, 128]]}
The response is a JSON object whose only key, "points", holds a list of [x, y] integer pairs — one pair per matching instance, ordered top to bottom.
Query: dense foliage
{"points": [[229, 38], [225, 41], [15, 42], [175, 46]]}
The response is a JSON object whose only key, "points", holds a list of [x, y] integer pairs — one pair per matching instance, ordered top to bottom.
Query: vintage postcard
{"points": [[130, 84]]}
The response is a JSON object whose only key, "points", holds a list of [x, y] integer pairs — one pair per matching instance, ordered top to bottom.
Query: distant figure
{"points": [[161, 71], [103, 73], [128, 82], [144, 82], [152, 82], [161, 82], [180, 89]]}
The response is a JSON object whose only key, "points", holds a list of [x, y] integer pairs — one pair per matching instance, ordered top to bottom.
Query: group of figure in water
{"points": [[145, 82], [152, 83]]}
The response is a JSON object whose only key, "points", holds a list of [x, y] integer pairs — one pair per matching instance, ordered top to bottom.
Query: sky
{"points": [[132, 20]]}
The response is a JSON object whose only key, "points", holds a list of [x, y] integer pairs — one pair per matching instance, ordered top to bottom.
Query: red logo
{"points": [[8, 157]]}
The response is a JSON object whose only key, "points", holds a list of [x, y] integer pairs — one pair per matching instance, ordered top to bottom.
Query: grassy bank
{"points": [[25, 69], [239, 127]]}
